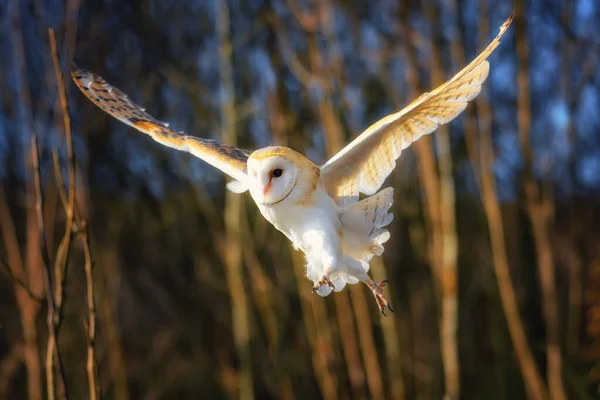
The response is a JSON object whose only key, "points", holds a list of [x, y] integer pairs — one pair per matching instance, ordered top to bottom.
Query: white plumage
{"points": [[318, 208]]}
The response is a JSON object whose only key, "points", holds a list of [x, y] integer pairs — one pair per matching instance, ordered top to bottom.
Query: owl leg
{"points": [[323, 254], [377, 289]]}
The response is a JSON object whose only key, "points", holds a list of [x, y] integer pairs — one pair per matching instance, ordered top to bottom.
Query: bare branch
{"points": [[59, 180], [62, 255], [18, 281], [52, 353], [92, 365]]}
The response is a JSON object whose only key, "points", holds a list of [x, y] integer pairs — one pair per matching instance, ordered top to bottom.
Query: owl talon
{"points": [[324, 281], [382, 301]]}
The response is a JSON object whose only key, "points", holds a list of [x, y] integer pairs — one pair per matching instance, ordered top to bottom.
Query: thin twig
{"points": [[35, 157], [59, 180], [82, 228], [62, 256], [18, 281], [52, 353], [92, 365]]}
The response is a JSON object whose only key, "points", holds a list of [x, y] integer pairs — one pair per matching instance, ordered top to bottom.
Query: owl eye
{"points": [[277, 172]]}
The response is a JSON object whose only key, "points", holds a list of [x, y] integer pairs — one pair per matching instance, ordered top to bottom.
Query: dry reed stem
{"points": [[457, 52], [572, 92], [469, 125], [334, 138], [59, 181], [432, 185], [540, 211], [234, 213], [82, 228], [63, 250], [571, 254], [62, 255], [31, 270], [446, 271], [261, 288], [28, 307], [108, 307], [313, 315], [391, 336], [367, 342], [325, 344], [394, 356], [53, 359], [91, 364], [356, 373], [532, 379]]}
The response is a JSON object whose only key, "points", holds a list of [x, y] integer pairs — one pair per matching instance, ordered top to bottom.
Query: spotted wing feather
{"points": [[111, 100]]}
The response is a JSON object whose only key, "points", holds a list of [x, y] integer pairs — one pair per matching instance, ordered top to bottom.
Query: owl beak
{"points": [[267, 187]]}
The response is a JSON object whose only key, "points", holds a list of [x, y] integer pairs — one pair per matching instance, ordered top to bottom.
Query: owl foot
{"points": [[324, 281], [382, 301]]}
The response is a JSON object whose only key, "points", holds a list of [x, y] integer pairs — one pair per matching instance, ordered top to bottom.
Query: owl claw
{"points": [[324, 281], [382, 301]]}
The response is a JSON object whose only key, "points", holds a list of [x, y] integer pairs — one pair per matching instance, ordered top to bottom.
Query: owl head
{"points": [[277, 174]]}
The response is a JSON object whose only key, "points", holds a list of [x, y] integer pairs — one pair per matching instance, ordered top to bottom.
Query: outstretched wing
{"points": [[228, 159], [364, 164]]}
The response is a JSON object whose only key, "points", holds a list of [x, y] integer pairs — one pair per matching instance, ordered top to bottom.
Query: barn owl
{"points": [[318, 207]]}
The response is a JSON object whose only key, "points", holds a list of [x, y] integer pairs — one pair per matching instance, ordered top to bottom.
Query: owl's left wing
{"points": [[111, 100], [364, 164]]}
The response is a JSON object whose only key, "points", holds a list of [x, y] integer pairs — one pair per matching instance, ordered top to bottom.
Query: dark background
{"points": [[494, 258]]}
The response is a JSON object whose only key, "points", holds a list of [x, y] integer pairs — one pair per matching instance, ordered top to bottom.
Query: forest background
{"points": [[128, 272]]}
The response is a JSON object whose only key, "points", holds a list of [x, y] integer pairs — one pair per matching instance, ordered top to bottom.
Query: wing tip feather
{"points": [[508, 21], [82, 77]]}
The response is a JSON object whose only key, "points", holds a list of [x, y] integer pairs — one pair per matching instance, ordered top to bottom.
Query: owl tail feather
{"points": [[363, 224]]}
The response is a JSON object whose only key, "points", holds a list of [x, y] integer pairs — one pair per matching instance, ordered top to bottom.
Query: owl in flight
{"points": [[318, 207]]}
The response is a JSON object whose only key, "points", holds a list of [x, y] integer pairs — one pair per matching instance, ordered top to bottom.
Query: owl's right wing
{"points": [[111, 100]]}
